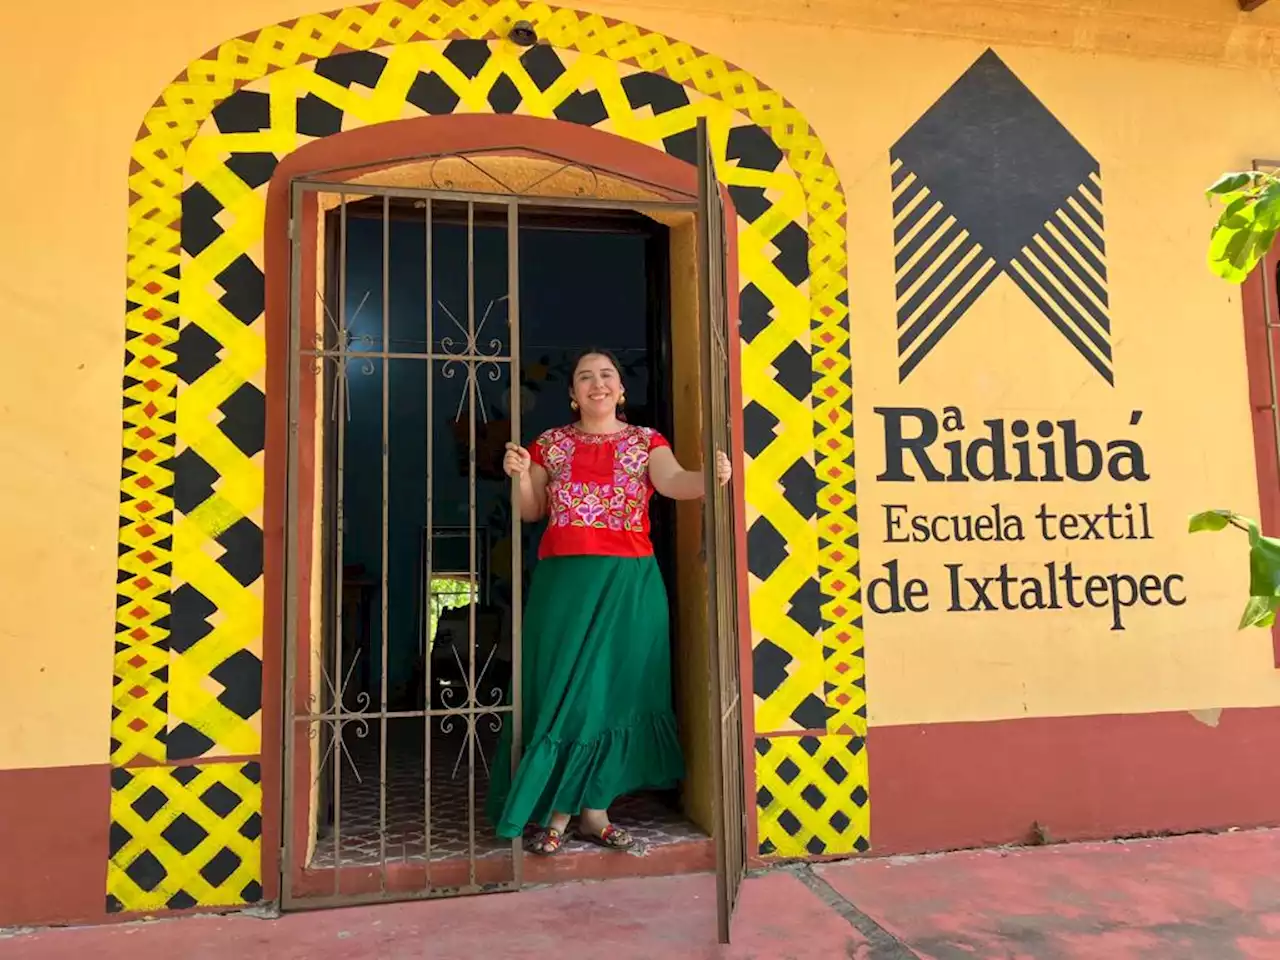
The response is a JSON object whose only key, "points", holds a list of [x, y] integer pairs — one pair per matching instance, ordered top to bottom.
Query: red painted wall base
{"points": [[956, 785], [936, 787], [53, 845]]}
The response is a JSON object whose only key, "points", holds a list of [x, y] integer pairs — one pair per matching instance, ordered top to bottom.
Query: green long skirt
{"points": [[597, 718]]}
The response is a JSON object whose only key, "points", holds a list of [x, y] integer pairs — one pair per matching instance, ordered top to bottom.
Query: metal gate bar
{"points": [[494, 199], [472, 347], [339, 415], [385, 453], [428, 563], [517, 583]]}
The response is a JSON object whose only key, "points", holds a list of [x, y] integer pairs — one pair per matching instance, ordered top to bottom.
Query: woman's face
{"points": [[597, 386]]}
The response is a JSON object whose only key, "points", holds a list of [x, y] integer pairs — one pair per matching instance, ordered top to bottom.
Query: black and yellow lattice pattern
{"points": [[188, 663], [812, 795], [183, 837]]}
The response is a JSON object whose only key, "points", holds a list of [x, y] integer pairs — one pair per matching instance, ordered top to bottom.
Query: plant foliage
{"points": [[1247, 225]]}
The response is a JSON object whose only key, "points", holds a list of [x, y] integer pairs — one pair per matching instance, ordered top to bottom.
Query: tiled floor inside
{"points": [[650, 818]]}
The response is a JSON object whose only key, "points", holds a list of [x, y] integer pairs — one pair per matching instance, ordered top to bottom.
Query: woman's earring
{"points": [[622, 399], [573, 404]]}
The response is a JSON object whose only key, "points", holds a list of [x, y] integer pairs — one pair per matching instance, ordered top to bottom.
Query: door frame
{"points": [[339, 159]]}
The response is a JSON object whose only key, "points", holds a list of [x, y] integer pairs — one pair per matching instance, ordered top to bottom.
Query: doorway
{"points": [[445, 324]]}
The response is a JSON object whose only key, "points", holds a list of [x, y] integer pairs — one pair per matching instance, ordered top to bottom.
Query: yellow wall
{"points": [[1152, 87], [1160, 132]]}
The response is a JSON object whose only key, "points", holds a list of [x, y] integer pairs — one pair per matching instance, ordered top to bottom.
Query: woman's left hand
{"points": [[724, 469]]}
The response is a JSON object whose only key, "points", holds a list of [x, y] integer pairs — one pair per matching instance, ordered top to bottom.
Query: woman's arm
{"points": [[674, 481], [531, 482], [533, 494]]}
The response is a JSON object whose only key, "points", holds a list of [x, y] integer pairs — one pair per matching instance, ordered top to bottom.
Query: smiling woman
{"points": [[598, 717]]}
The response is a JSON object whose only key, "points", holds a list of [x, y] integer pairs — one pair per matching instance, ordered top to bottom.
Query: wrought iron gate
{"points": [[715, 338], [366, 750], [383, 779]]}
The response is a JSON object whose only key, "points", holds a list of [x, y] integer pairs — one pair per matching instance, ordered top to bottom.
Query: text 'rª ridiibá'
{"points": [[922, 446]]}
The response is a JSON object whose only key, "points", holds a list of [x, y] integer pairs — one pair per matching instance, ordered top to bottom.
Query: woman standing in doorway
{"points": [[596, 678]]}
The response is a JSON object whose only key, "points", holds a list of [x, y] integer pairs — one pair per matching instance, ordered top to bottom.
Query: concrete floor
{"points": [[1199, 898]]}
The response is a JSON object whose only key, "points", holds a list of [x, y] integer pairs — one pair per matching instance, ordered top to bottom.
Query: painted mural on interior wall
{"points": [[988, 182], [188, 680]]}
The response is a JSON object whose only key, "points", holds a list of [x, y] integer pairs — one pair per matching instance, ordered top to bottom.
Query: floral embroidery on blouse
{"points": [[620, 505]]}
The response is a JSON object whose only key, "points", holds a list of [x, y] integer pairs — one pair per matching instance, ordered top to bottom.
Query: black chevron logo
{"points": [[988, 181]]}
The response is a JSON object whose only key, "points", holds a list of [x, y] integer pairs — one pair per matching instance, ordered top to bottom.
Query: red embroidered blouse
{"points": [[598, 491]]}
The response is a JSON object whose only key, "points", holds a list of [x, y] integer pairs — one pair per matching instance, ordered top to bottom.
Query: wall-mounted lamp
{"points": [[523, 34]]}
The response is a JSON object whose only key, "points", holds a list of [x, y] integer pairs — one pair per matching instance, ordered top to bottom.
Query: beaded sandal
{"points": [[611, 837], [546, 843]]}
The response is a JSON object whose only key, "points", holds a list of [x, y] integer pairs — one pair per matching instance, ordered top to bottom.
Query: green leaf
{"points": [[1229, 183], [1238, 205], [1266, 210], [1239, 214], [1247, 226], [1262, 241], [1237, 246], [1233, 253], [1227, 271], [1210, 520], [1264, 565], [1259, 612]]}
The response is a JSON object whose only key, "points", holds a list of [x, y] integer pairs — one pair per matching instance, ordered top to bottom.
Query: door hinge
{"points": [[293, 229]]}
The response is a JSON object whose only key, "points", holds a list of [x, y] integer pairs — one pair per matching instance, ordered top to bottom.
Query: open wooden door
{"points": [[715, 338]]}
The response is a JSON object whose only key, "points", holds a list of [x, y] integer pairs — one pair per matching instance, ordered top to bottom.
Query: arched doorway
{"points": [[196, 705]]}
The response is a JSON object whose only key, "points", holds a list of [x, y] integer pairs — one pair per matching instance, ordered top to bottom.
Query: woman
{"points": [[596, 711]]}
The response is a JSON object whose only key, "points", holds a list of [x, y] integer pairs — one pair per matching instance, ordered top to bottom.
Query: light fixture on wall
{"points": [[523, 34]]}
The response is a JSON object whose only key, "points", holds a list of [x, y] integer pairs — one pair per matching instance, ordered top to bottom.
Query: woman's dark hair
{"points": [[593, 352]]}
